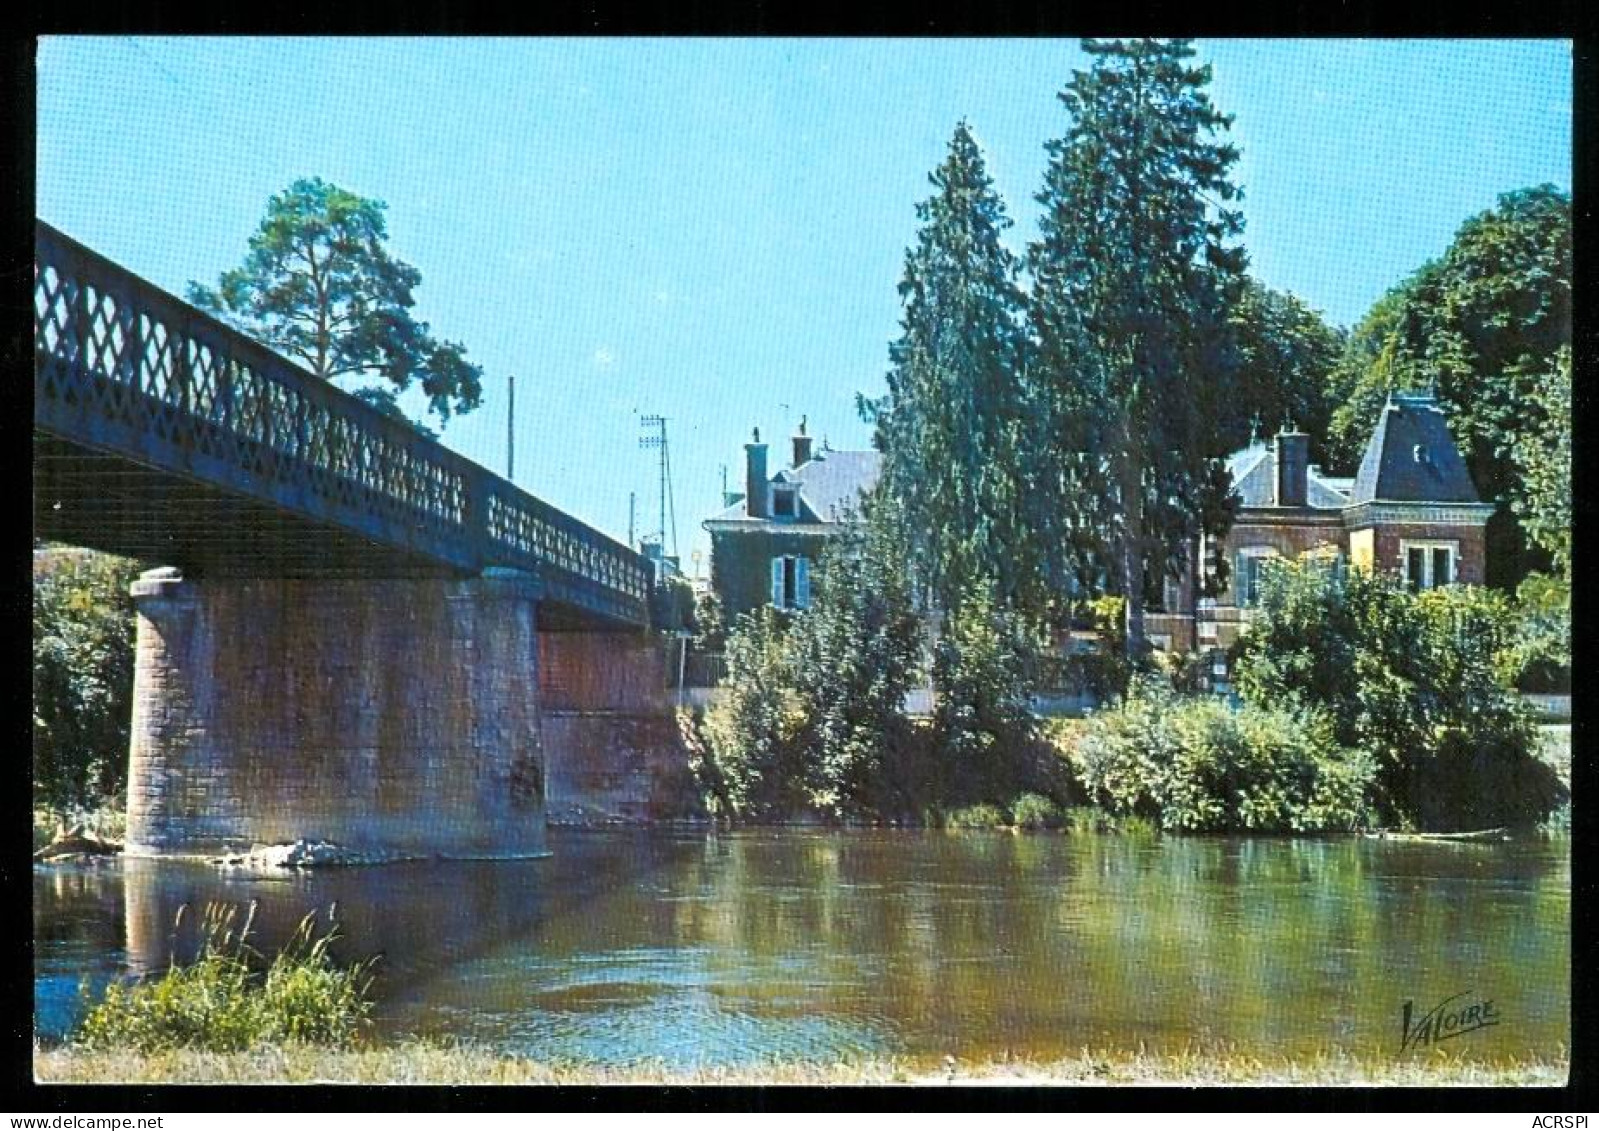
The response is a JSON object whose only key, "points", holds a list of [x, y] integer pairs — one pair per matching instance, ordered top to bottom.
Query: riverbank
{"points": [[431, 1064]]}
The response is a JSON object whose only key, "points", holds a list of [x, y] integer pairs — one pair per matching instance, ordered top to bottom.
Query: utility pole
{"points": [[510, 432], [632, 497]]}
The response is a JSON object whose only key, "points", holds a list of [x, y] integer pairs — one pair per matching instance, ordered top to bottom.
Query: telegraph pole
{"points": [[510, 433], [654, 440]]}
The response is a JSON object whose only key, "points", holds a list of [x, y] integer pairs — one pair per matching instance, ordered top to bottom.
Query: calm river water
{"points": [[792, 944]]}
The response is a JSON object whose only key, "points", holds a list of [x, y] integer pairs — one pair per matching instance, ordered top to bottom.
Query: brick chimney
{"points": [[802, 445], [1293, 461], [756, 504]]}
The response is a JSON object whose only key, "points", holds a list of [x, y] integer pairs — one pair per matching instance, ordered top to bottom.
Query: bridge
{"points": [[165, 435], [354, 631]]}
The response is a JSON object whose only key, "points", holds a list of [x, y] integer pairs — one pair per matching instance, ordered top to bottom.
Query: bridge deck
{"points": [[165, 435]]}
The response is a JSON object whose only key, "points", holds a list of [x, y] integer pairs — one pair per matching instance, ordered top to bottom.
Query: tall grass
{"points": [[231, 999]]}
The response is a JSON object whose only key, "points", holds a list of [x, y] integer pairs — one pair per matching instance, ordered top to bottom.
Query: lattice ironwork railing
{"points": [[121, 365]]}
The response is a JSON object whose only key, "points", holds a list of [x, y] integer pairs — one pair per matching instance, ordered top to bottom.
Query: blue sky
{"points": [[713, 230]]}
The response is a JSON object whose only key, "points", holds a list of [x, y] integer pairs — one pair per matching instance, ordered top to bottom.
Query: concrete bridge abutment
{"points": [[394, 716]]}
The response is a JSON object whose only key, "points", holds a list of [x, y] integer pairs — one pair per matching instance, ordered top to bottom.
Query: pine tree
{"points": [[1134, 280], [320, 286], [953, 428]]}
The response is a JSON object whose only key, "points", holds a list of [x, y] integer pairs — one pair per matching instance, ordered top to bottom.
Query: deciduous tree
{"points": [[1483, 325], [1287, 354], [83, 627]]}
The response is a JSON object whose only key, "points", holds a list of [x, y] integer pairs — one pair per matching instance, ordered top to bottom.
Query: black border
{"points": [[1368, 18]]}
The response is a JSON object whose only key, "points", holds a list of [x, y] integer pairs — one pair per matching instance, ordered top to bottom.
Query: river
{"points": [[731, 949]]}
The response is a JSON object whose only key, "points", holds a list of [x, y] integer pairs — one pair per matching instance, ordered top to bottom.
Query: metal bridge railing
{"points": [[121, 365]]}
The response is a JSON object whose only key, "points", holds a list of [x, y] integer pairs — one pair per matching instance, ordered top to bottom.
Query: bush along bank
{"points": [[1363, 705]]}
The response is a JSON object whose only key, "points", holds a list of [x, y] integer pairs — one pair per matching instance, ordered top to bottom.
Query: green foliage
{"points": [[1135, 282], [320, 287], [1485, 325], [1287, 354], [954, 427], [1542, 456], [672, 605], [710, 622], [83, 632], [1541, 647], [854, 654], [1105, 671], [1403, 676], [812, 714], [982, 721], [753, 731], [1195, 764], [1035, 811], [979, 816], [223, 1001]]}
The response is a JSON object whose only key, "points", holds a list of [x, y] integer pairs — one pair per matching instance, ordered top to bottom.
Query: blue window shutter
{"points": [[777, 582], [802, 583]]}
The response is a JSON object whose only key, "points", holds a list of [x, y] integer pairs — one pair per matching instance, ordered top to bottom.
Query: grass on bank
{"points": [[230, 999], [424, 1063]]}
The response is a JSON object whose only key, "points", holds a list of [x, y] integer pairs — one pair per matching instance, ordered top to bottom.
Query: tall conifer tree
{"points": [[1134, 277], [953, 427]]}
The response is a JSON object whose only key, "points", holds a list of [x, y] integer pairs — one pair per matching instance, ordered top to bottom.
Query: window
{"points": [[783, 504], [1428, 565], [1246, 573], [791, 582], [1171, 596]]}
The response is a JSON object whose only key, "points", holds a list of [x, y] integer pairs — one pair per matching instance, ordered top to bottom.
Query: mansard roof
{"points": [[1412, 458]]}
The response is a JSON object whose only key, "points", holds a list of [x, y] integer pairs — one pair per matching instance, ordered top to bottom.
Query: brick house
{"points": [[1411, 510], [765, 543]]}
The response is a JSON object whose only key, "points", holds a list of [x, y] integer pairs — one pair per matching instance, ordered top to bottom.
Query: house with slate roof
{"points": [[1411, 510], [766, 541]]}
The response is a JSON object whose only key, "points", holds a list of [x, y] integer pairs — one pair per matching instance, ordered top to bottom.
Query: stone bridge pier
{"points": [[397, 716]]}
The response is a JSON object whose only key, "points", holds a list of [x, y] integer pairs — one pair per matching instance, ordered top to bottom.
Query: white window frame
{"points": [[792, 495], [1428, 546], [1248, 600]]}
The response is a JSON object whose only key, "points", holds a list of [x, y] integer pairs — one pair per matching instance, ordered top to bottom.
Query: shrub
{"points": [[854, 655], [1540, 656], [1406, 677], [982, 719], [751, 733], [1196, 764], [1035, 811], [980, 816], [222, 1003]]}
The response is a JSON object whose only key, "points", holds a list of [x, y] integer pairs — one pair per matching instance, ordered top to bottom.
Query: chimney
{"points": [[802, 445], [1293, 458], [755, 485]]}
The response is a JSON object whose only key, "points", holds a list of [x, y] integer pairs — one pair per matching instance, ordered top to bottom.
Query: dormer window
{"points": [[785, 502]]}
